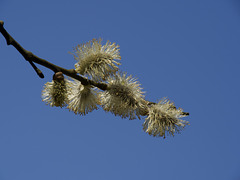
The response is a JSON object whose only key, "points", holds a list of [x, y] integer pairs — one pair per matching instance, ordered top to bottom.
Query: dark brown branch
{"points": [[11, 41], [30, 57]]}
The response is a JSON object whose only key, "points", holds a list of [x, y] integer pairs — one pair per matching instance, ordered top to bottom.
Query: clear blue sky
{"points": [[185, 50]]}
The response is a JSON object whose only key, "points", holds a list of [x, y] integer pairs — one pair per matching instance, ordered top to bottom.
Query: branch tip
{"points": [[38, 71], [40, 74], [185, 113]]}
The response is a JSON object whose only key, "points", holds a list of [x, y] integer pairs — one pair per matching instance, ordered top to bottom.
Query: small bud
{"points": [[58, 76]]}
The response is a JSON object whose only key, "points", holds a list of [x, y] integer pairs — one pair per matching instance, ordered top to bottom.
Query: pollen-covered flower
{"points": [[96, 60], [55, 93], [123, 97], [83, 99], [164, 118]]}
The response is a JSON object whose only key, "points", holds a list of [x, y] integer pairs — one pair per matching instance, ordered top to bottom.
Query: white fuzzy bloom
{"points": [[97, 60], [56, 93], [123, 97], [83, 99], [164, 118]]}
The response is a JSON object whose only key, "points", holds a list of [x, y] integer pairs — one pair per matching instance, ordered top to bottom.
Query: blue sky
{"points": [[185, 50]]}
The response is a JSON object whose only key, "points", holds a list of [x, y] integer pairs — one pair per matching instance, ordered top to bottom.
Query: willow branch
{"points": [[30, 57]]}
